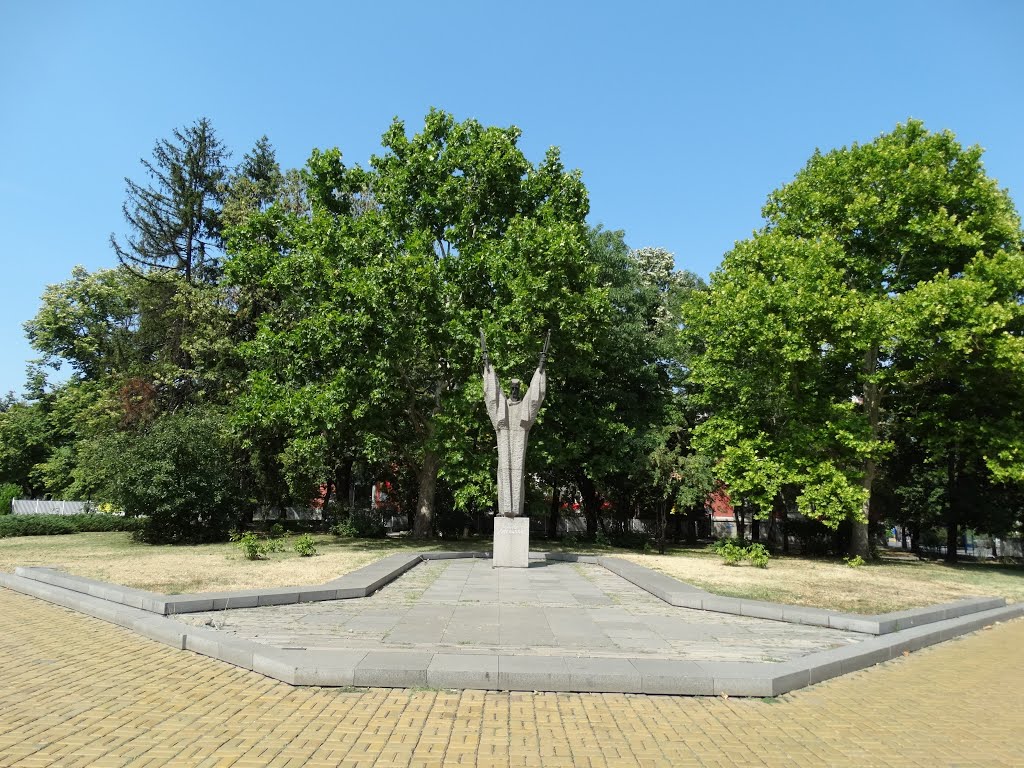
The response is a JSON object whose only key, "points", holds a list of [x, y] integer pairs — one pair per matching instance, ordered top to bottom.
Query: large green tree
{"points": [[849, 257], [399, 266]]}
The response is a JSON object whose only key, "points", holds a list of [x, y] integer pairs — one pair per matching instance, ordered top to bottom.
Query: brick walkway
{"points": [[75, 691]]}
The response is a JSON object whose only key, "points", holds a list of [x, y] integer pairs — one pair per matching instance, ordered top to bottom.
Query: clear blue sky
{"points": [[681, 116]]}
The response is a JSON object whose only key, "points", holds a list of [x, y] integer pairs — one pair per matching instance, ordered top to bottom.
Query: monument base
{"points": [[511, 542]]}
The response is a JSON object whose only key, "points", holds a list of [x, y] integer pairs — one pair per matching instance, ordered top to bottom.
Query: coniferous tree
{"points": [[175, 219]]}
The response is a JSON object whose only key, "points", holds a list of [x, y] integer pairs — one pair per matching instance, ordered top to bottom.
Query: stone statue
{"points": [[512, 417]]}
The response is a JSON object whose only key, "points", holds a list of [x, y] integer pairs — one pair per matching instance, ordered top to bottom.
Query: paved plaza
{"points": [[549, 608], [77, 691]]}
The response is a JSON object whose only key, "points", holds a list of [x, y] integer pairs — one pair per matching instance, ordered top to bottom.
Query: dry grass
{"points": [[114, 557], [890, 585]]}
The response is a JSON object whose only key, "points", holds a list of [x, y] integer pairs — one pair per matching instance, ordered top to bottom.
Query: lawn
{"points": [[115, 557], [894, 583]]}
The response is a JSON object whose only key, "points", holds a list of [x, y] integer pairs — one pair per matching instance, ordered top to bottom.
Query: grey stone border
{"points": [[368, 579], [146, 613]]}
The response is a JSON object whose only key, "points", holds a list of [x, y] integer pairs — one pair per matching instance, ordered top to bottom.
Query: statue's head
{"points": [[515, 396]]}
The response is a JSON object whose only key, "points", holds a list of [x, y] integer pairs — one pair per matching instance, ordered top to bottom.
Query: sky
{"points": [[681, 116]]}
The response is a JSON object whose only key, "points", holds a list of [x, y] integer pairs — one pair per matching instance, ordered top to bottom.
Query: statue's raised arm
{"points": [[483, 349], [544, 352], [538, 386], [494, 398]]}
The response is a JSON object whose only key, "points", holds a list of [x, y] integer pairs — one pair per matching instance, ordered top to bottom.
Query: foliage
{"points": [[175, 221], [884, 274], [368, 352], [23, 444], [179, 472], [8, 493], [50, 525], [345, 530], [305, 546], [255, 548], [729, 551], [733, 554], [758, 555], [854, 562]]}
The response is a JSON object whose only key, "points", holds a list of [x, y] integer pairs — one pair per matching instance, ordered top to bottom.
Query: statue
{"points": [[512, 417]]}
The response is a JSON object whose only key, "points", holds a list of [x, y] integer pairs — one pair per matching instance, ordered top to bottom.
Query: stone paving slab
{"points": [[524, 669]]}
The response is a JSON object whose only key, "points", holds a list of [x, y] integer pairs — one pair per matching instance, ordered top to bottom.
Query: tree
{"points": [[174, 220], [871, 228], [450, 230], [775, 335], [179, 472]]}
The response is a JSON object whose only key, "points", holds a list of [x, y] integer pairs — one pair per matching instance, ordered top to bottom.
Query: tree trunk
{"points": [[344, 482], [556, 500], [590, 505], [953, 507], [739, 514], [423, 525], [662, 525], [755, 530], [903, 538], [915, 538], [951, 541], [860, 545]]}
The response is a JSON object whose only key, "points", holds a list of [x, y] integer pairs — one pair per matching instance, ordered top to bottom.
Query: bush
{"points": [[178, 472], [8, 493], [360, 524], [54, 525], [344, 530], [305, 545], [253, 547], [728, 550], [733, 554], [758, 555], [854, 562]]}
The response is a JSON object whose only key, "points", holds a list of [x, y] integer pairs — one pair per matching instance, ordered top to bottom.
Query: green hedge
{"points": [[51, 525]]}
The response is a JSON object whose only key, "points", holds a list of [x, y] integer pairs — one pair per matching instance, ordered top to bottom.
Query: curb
{"points": [[147, 614]]}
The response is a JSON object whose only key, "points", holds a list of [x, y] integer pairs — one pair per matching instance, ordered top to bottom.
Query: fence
{"points": [[50, 507], [290, 513]]}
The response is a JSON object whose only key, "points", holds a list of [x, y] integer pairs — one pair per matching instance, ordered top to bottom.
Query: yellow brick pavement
{"points": [[75, 691]]}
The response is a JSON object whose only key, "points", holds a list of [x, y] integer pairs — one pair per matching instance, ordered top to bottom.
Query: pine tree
{"points": [[175, 219]]}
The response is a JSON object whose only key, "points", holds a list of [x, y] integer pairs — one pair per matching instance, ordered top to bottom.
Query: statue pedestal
{"points": [[511, 542]]}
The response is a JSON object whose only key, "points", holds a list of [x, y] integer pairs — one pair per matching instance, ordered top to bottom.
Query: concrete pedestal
{"points": [[511, 542]]}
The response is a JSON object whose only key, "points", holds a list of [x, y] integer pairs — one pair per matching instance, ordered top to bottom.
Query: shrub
{"points": [[178, 472], [8, 493], [368, 523], [361, 524], [54, 525], [344, 530], [277, 531], [305, 545], [253, 547], [728, 550], [733, 554], [758, 555], [854, 562]]}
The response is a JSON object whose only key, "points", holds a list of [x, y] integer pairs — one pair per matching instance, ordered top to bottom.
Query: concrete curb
{"points": [[368, 579], [681, 595], [147, 614], [441, 668]]}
